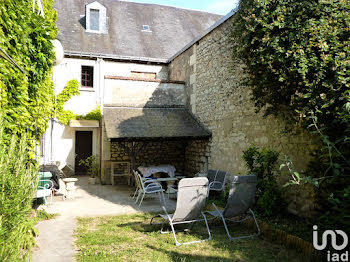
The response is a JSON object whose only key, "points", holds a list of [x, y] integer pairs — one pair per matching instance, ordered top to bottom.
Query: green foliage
{"points": [[297, 56], [71, 89], [26, 99], [95, 114], [262, 163], [92, 165], [296, 178], [17, 179], [337, 210], [43, 215]]}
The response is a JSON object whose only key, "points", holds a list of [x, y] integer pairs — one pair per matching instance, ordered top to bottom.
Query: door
{"points": [[83, 149]]}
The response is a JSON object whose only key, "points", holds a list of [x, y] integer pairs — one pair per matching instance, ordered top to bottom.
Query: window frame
{"points": [[83, 82]]}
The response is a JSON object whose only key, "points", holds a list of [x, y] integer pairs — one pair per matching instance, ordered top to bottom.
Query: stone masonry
{"points": [[217, 97]]}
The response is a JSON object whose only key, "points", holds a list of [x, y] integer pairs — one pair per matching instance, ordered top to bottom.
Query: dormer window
{"points": [[96, 18], [146, 28]]}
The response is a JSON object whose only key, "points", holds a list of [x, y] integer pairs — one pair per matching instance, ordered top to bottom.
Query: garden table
{"points": [[169, 169], [147, 171]]}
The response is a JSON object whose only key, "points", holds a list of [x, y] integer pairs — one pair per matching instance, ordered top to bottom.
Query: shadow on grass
{"points": [[132, 238], [178, 256]]}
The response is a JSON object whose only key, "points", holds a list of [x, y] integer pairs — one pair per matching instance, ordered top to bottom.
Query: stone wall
{"points": [[183, 69], [223, 104], [151, 153], [197, 157]]}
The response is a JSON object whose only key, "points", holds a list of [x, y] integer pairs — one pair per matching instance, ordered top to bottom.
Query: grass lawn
{"points": [[132, 238]]}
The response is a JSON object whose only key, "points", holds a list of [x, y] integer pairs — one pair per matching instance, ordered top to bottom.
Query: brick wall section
{"points": [[223, 104]]}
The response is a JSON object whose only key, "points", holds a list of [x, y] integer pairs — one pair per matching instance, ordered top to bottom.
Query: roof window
{"points": [[96, 18], [146, 28]]}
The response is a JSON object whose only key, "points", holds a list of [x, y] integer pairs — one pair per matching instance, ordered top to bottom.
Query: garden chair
{"points": [[134, 172], [216, 180], [148, 186], [44, 190], [192, 193], [241, 198]]}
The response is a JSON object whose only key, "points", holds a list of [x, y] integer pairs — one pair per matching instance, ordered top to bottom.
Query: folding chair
{"points": [[192, 194], [241, 198]]}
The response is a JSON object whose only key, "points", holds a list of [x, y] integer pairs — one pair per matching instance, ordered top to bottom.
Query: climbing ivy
{"points": [[71, 89], [26, 99], [95, 114], [64, 116]]}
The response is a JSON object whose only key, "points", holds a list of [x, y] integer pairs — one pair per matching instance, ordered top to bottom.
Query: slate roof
{"points": [[172, 28], [148, 123]]}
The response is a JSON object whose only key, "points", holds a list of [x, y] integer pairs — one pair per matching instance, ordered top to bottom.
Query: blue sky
{"points": [[212, 6]]}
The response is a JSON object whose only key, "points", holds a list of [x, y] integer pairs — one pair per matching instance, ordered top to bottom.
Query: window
{"points": [[95, 19], [146, 28], [148, 75], [87, 76]]}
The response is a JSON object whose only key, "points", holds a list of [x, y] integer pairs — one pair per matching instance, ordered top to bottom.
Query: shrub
{"points": [[297, 59], [262, 163], [17, 180]]}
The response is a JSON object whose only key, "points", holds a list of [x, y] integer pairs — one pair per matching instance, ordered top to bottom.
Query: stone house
{"points": [[168, 89]]}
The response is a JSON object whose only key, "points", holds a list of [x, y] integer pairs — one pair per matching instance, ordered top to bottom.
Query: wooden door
{"points": [[83, 149]]}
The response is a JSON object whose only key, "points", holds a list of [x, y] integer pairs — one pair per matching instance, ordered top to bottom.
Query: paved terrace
{"points": [[56, 242]]}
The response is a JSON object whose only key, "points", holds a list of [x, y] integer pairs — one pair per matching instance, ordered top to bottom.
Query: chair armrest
{"points": [[215, 182], [153, 184], [47, 186]]}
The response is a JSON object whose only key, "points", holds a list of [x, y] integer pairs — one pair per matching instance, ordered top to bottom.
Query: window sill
{"points": [[87, 89]]}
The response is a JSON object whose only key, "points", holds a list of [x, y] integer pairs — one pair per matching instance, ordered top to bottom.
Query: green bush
{"points": [[297, 60], [262, 163], [17, 180]]}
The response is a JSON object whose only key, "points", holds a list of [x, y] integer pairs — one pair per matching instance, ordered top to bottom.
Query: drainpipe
{"points": [[100, 95]]}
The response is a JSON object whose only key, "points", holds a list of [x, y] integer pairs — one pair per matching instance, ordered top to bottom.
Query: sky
{"points": [[212, 6]]}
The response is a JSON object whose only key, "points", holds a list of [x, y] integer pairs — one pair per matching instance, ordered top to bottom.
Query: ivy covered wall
{"points": [[26, 98]]}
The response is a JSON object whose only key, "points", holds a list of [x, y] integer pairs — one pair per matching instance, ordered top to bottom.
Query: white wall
{"points": [[60, 143]]}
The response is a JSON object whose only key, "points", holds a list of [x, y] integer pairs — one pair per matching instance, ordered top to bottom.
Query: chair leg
{"points": [[137, 189], [138, 196], [163, 197], [142, 198], [224, 222], [256, 222], [206, 224], [242, 237], [177, 243]]}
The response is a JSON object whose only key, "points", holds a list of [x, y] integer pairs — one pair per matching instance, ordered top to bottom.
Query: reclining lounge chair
{"points": [[192, 193], [241, 198]]}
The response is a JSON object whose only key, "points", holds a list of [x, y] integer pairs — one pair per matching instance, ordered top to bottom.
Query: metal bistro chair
{"points": [[216, 180], [148, 186], [241, 198]]}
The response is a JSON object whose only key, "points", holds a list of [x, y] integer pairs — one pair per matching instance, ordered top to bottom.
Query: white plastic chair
{"points": [[148, 187]]}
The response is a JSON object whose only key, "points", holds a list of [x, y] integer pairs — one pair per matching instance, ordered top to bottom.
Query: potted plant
{"points": [[92, 166]]}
